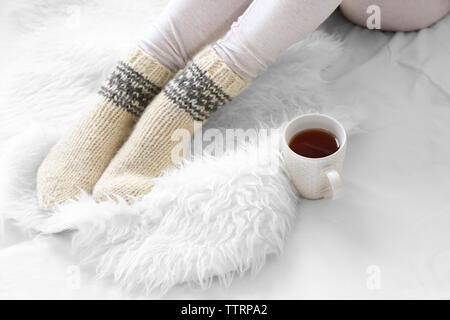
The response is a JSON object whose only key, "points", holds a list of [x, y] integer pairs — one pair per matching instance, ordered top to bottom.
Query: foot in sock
{"points": [[192, 95], [78, 160]]}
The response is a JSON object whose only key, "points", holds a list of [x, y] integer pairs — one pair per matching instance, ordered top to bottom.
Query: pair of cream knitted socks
{"points": [[205, 84], [94, 157], [78, 160]]}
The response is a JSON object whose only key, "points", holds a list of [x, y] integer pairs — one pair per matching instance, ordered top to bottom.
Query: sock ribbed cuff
{"points": [[135, 81], [204, 85]]}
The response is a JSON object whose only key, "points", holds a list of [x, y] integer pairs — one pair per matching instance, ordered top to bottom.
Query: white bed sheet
{"points": [[389, 237]]}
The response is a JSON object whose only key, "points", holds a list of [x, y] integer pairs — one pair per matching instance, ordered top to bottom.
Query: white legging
{"points": [[265, 28]]}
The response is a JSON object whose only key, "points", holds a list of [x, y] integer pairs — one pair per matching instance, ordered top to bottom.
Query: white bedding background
{"points": [[387, 238]]}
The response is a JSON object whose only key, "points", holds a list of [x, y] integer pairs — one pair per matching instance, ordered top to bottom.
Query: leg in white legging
{"points": [[185, 26], [267, 28]]}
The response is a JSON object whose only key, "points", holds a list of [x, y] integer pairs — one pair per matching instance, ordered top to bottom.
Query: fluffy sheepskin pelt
{"points": [[215, 217]]}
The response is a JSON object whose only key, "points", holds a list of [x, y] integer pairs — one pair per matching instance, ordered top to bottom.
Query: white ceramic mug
{"points": [[315, 178]]}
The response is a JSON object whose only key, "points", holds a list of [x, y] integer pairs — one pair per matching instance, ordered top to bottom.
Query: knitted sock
{"points": [[204, 85], [78, 160]]}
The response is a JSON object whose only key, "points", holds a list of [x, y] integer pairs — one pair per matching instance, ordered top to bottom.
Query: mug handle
{"points": [[335, 186]]}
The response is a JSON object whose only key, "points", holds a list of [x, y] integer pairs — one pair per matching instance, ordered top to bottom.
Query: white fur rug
{"points": [[215, 217]]}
